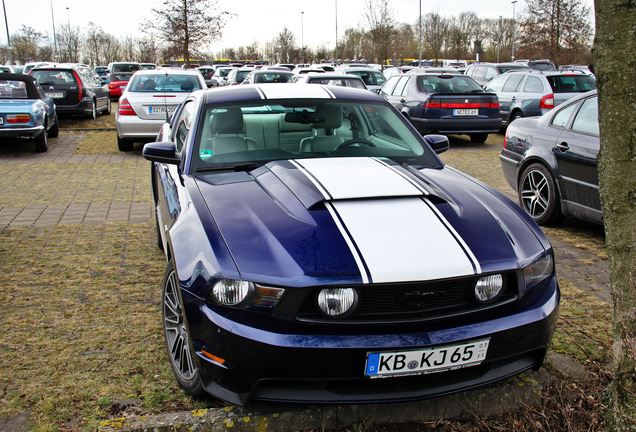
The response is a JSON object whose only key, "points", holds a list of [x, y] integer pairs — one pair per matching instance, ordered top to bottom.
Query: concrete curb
{"points": [[510, 395]]}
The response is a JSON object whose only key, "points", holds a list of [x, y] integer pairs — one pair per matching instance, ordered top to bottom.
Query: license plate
{"points": [[123, 86], [55, 95], [162, 109], [465, 112], [1, 120], [424, 361]]}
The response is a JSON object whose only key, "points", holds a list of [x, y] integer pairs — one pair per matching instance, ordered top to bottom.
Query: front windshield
{"points": [[254, 134]]}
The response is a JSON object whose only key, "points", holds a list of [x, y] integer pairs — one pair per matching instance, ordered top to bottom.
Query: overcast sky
{"points": [[312, 21]]}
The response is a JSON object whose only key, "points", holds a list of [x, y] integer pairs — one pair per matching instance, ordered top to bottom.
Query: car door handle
{"points": [[513, 99], [402, 101], [563, 146]]}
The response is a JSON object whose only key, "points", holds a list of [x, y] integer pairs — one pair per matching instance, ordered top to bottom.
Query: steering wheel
{"points": [[355, 141]]}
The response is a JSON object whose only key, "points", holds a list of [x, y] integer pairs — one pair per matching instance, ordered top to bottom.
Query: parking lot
{"points": [[81, 274]]}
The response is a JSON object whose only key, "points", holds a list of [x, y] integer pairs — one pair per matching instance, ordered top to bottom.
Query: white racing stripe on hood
{"points": [[350, 178], [401, 239]]}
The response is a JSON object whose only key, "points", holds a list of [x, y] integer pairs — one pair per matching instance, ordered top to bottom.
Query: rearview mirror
{"points": [[439, 143]]}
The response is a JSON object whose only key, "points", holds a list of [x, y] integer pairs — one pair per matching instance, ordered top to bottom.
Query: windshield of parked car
{"points": [[163, 82], [568, 83], [447, 84], [254, 134]]}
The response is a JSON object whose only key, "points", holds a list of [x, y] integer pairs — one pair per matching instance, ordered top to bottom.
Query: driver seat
{"points": [[324, 136]]}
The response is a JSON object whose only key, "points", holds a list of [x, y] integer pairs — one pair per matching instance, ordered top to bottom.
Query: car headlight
{"points": [[538, 270], [488, 287], [230, 292], [246, 295], [337, 302]]}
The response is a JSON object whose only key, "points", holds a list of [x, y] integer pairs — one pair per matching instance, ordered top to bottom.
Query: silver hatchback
{"points": [[534, 93], [149, 101]]}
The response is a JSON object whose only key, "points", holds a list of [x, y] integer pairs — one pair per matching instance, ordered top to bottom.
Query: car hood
{"points": [[364, 220]]}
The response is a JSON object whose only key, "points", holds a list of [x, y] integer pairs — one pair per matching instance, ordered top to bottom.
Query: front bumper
{"points": [[329, 368]]}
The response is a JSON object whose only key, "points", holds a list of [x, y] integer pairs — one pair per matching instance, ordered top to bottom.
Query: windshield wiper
{"points": [[230, 167]]}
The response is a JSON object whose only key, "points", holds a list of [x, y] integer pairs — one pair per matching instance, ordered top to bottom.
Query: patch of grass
{"points": [[101, 122], [102, 142], [585, 326], [85, 331]]}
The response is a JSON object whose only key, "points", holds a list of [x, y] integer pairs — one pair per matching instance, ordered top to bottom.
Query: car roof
{"points": [[30, 83], [284, 91]]}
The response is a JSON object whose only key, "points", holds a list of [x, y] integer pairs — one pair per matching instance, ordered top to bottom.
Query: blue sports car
{"points": [[25, 111], [319, 251]]}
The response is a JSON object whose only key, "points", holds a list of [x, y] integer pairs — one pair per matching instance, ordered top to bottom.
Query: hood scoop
{"points": [[314, 181]]}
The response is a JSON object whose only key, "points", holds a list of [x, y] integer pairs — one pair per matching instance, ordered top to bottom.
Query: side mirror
{"points": [[439, 143], [162, 152]]}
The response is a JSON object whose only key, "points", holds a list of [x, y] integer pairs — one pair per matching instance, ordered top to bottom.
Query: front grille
{"points": [[413, 300]]}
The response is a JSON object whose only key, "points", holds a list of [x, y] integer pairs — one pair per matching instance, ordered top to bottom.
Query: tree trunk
{"points": [[615, 68]]}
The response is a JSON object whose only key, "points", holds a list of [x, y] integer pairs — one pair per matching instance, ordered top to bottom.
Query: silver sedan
{"points": [[150, 99]]}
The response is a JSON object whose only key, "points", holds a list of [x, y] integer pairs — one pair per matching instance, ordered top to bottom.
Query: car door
{"points": [[495, 86], [397, 95], [576, 149], [167, 175]]}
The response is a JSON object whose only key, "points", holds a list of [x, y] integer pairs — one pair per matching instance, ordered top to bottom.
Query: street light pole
{"points": [[6, 23], [514, 24], [336, 32], [302, 34], [54, 36], [498, 38], [420, 64]]}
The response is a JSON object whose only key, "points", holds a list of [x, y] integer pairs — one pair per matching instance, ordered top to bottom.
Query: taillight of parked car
{"points": [[80, 88], [547, 102], [432, 103], [125, 108], [17, 118]]}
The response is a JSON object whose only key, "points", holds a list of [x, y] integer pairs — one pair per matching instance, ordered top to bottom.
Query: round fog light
{"points": [[488, 287], [336, 302]]}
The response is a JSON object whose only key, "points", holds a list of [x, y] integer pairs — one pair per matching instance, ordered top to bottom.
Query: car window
{"points": [[491, 72], [480, 73], [52, 77], [370, 77], [163, 82], [571, 83], [496, 84], [389, 85], [512, 85], [533, 85], [399, 88], [561, 119], [586, 119], [183, 124]]}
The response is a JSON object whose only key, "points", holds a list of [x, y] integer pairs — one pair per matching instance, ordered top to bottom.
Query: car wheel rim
{"points": [[535, 194], [175, 330]]}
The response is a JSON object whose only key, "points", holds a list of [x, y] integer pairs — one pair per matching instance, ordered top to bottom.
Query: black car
{"points": [[76, 89], [444, 104], [551, 161]]}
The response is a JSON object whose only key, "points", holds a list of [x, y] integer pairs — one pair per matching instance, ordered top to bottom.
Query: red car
{"points": [[120, 73]]}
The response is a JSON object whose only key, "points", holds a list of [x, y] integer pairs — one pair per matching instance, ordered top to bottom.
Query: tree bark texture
{"points": [[615, 67]]}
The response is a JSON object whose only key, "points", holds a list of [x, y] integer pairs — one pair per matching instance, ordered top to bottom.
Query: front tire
{"points": [[516, 116], [539, 196], [180, 354]]}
